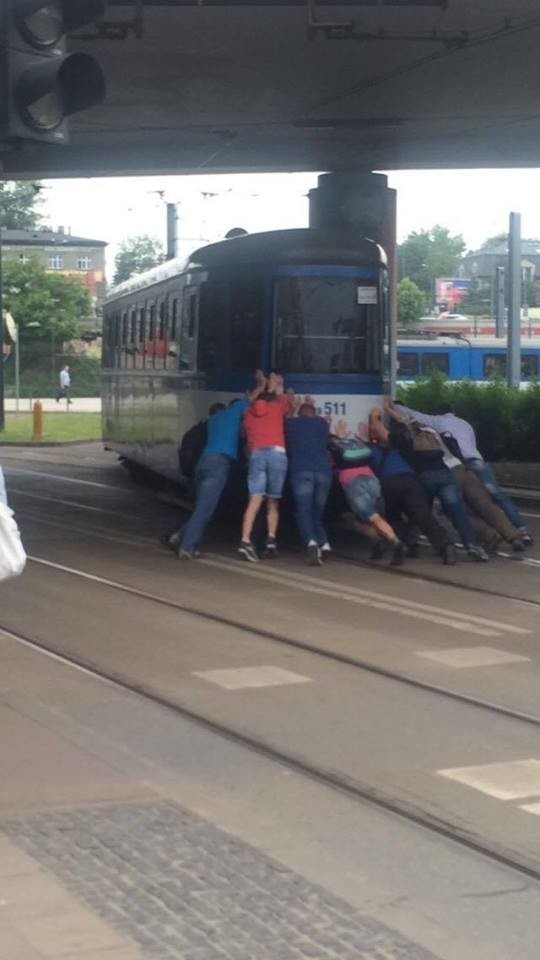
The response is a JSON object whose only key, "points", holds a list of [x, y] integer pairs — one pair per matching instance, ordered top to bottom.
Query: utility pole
{"points": [[172, 231], [513, 350]]}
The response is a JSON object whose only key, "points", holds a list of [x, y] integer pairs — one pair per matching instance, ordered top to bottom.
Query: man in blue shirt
{"points": [[212, 470], [310, 474]]}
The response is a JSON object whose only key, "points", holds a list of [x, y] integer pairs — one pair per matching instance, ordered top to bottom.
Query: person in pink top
{"points": [[267, 463], [363, 492]]}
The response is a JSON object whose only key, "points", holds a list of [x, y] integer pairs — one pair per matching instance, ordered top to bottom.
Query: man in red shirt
{"points": [[267, 463]]}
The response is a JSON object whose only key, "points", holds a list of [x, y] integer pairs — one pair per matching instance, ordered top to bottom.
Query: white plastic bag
{"points": [[12, 555]]}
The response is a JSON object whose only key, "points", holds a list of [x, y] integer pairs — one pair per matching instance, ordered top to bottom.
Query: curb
{"points": [[32, 444]]}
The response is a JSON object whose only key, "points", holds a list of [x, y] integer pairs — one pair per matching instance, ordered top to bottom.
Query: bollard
{"points": [[38, 421]]}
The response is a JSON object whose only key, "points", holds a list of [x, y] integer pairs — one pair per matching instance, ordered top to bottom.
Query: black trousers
{"points": [[404, 494]]}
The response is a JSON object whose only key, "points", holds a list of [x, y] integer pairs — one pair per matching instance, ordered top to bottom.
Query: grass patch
{"points": [[56, 427]]}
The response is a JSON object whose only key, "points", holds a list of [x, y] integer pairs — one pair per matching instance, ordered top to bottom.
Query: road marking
{"points": [[56, 476], [70, 503], [381, 601], [463, 657], [240, 678], [512, 780], [531, 808]]}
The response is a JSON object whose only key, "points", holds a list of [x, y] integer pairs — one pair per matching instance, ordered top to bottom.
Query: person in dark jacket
{"points": [[310, 476], [404, 494]]}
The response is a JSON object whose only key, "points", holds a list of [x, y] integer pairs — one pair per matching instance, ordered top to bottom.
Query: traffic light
{"points": [[40, 84]]}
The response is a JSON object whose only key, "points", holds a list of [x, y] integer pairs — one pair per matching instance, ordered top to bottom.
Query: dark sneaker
{"points": [[525, 537], [172, 541], [518, 546], [270, 549], [377, 550], [247, 551], [413, 551], [325, 552], [478, 553], [187, 554], [313, 554], [398, 554], [449, 556]]}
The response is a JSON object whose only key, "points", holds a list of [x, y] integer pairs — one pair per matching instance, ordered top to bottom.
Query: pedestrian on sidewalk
{"points": [[64, 382]]}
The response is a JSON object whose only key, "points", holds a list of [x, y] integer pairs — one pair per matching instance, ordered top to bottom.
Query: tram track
{"points": [[281, 639], [335, 780]]}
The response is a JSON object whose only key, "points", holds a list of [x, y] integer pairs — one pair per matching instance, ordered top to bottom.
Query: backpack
{"points": [[411, 439], [453, 446], [191, 448], [349, 452]]}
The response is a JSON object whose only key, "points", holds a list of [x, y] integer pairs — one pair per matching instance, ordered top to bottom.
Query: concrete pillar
{"points": [[363, 203]]}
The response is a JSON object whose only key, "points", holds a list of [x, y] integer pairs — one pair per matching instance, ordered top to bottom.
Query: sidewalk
{"points": [[78, 405]]}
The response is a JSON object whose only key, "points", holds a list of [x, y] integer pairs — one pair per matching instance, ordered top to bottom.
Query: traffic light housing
{"points": [[40, 83]]}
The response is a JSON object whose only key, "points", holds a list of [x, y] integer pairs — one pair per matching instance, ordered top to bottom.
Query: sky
{"points": [[476, 204]]}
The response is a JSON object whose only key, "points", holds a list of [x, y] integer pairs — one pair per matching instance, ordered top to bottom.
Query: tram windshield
{"points": [[327, 325]]}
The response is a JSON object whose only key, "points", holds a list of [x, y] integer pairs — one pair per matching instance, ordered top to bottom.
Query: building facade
{"points": [[60, 251]]}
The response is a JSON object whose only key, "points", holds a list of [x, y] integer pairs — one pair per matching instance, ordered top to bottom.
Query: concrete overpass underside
{"points": [[251, 86]]}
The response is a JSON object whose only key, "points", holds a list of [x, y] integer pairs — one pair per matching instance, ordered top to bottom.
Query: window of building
{"points": [[23, 258], [56, 262], [83, 263], [323, 325], [432, 362], [408, 365], [494, 365], [529, 366]]}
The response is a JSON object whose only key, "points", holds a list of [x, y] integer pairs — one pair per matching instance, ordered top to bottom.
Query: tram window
{"points": [[246, 311], [174, 318], [212, 321], [320, 327], [188, 339], [141, 346], [150, 350], [432, 362], [408, 365], [494, 365], [529, 366]]}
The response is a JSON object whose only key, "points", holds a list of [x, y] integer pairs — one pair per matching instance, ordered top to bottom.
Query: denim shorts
{"points": [[266, 472], [362, 495]]}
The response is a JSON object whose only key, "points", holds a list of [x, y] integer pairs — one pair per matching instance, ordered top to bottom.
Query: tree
{"points": [[19, 205], [428, 254], [135, 255], [411, 303], [43, 304]]}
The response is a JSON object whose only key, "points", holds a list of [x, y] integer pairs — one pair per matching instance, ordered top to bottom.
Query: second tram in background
{"points": [[310, 304], [461, 358]]}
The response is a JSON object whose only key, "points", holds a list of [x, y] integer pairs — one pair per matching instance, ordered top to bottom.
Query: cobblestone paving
{"points": [[184, 890]]}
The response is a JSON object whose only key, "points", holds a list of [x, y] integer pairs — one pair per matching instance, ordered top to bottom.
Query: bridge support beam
{"points": [[362, 202]]}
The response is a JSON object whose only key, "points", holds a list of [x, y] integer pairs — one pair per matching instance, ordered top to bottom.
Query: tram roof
{"points": [[294, 246]]}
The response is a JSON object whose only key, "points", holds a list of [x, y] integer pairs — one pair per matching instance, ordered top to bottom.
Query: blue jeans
{"points": [[267, 469], [484, 473], [211, 475], [440, 483], [310, 491], [362, 495]]}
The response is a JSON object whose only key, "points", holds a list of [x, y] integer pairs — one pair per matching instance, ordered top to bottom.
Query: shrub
{"points": [[506, 419]]}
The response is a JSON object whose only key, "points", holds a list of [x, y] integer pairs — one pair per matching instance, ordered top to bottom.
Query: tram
{"points": [[311, 304], [461, 358]]}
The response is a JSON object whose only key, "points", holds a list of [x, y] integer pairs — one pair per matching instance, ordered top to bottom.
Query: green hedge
{"points": [[37, 380], [506, 420]]}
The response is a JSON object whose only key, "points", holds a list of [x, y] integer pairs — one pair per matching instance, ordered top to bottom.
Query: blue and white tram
{"points": [[311, 304], [477, 358]]}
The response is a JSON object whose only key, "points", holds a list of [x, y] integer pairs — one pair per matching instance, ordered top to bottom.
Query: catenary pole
{"points": [[513, 363]]}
